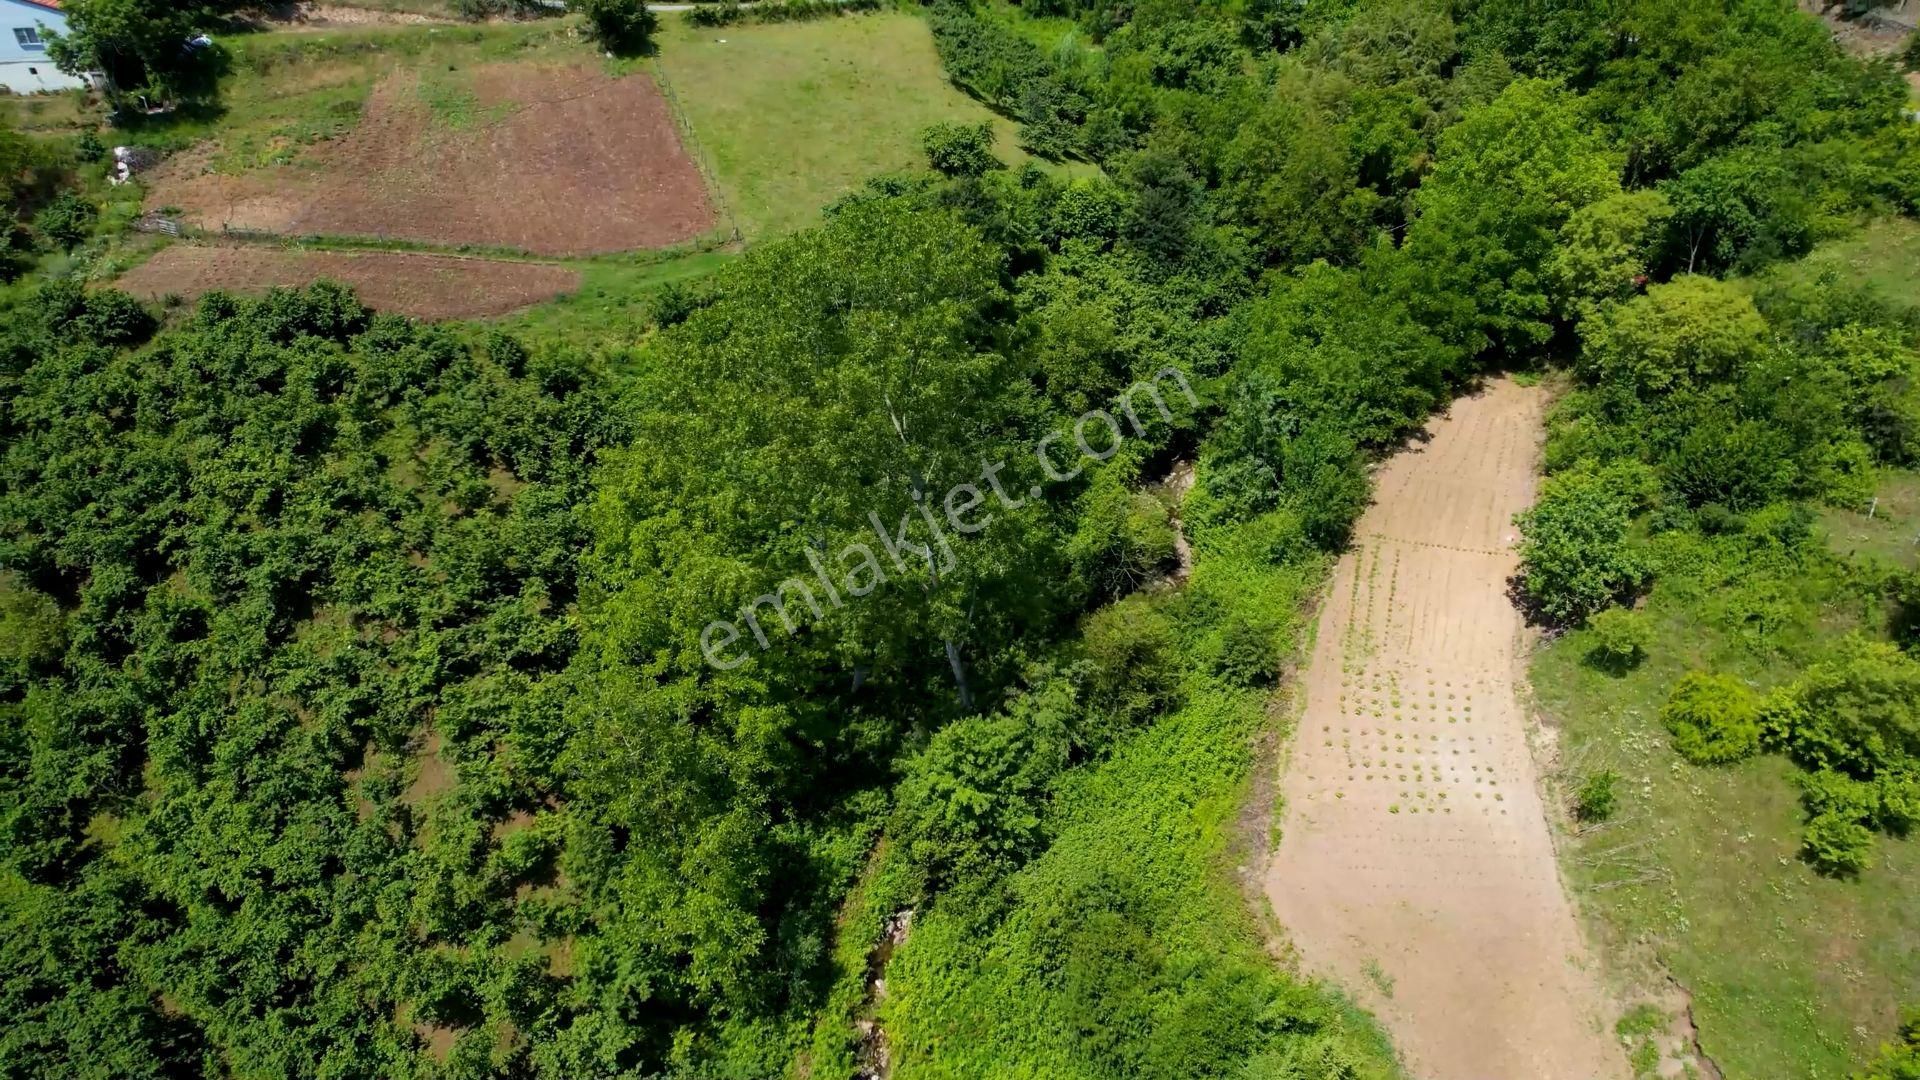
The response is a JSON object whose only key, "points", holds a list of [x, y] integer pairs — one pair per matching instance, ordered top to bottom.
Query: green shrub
{"points": [[729, 12], [722, 14], [624, 27], [1910, 55], [991, 61], [88, 148], [960, 149], [1088, 208], [67, 220], [672, 304], [97, 316], [1124, 537], [1575, 554], [1904, 594], [1621, 637], [1248, 652], [1132, 669], [1859, 711], [1715, 719], [1832, 794], [1597, 799], [970, 803], [1898, 803], [1837, 845]]}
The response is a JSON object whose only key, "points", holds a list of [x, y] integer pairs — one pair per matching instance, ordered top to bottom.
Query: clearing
{"points": [[795, 115], [396, 134], [545, 157], [1884, 256], [422, 285], [1415, 865], [1699, 875]]}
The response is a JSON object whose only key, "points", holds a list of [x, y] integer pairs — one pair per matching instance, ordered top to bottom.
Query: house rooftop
{"points": [[50, 5]]}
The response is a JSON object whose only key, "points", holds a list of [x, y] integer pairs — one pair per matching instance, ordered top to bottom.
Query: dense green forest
{"points": [[362, 710]]}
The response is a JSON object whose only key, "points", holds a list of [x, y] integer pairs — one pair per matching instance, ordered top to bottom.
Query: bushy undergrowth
{"points": [[1703, 425], [1119, 949]]}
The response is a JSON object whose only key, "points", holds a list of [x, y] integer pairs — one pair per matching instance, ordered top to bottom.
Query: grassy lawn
{"points": [[50, 114], [794, 115], [1884, 255], [613, 305], [1888, 530], [1792, 974]]}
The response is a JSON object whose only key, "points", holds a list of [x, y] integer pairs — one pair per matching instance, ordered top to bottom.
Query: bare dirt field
{"points": [[553, 159], [424, 286], [1415, 866]]}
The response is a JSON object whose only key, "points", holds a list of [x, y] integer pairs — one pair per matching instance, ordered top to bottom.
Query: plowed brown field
{"points": [[553, 159], [424, 286], [1415, 865]]}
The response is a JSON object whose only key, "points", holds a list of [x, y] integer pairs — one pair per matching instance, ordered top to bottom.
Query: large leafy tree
{"points": [[143, 46], [1508, 178], [761, 642]]}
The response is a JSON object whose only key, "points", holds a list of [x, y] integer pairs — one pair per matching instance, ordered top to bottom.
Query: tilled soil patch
{"points": [[549, 159], [424, 286]]}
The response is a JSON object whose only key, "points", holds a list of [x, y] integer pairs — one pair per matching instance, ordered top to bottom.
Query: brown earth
{"points": [[304, 15], [553, 159], [424, 286], [1415, 865]]}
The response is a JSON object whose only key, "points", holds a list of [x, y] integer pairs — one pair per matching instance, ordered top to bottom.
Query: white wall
{"points": [[25, 67], [32, 76]]}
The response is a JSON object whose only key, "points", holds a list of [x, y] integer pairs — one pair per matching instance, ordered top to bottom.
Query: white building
{"points": [[24, 66]]}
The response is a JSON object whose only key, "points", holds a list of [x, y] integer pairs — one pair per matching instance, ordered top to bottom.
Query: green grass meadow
{"points": [[792, 116], [1884, 256], [1699, 876], [1792, 974]]}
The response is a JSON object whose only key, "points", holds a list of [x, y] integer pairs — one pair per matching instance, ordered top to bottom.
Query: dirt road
{"points": [[1415, 866]]}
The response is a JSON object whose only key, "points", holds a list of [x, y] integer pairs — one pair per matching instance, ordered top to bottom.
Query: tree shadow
{"points": [[1612, 664]]}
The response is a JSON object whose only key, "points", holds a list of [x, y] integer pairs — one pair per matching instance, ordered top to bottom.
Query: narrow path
{"points": [[1415, 866]]}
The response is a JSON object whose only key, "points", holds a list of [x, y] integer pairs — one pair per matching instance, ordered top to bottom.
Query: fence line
{"points": [[696, 149]]}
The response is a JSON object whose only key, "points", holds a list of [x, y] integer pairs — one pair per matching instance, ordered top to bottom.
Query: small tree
{"points": [[624, 27], [145, 46], [960, 149], [67, 220], [1575, 553], [1621, 638], [1715, 719], [1596, 799]]}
